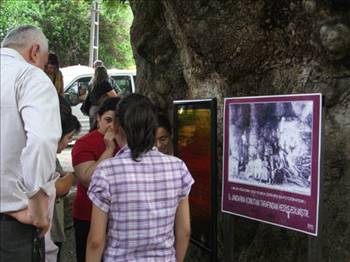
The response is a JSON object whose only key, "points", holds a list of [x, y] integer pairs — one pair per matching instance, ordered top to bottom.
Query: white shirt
{"points": [[30, 131]]}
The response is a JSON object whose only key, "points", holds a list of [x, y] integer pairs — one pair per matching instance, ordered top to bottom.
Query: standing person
{"points": [[98, 63], [52, 69], [101, 89], [30, 131], [163, 135], [87, 153], [140, 197], [55, 237]]}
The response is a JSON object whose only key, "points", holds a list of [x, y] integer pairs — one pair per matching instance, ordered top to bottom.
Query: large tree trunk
{"points": [[187, 49]]}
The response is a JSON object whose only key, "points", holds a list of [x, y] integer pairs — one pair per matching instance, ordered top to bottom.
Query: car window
{"points": [[124, 84], [76, 85], [77, 91]]}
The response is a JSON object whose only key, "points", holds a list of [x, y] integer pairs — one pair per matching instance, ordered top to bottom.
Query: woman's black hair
{"points": [[100, 75], [108, 105], [136, 115], [163, 121], [69, 122]]}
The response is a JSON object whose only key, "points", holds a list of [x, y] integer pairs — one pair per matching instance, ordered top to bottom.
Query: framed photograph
{"points": [[195, 143], [271, 160]]}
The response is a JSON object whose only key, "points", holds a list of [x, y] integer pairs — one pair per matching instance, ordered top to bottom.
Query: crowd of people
{"points": [[132, 194]]}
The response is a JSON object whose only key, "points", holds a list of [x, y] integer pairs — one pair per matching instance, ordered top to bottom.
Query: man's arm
{"points": [[39, 108], [36, 213], [182, 229], [97, 236]]}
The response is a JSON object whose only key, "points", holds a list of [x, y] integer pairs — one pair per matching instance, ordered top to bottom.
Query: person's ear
{"points": [[33, 53], [37, 56], [98, 120]]}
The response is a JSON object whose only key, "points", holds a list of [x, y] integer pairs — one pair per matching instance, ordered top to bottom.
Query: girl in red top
{"points": [[87, 153]]}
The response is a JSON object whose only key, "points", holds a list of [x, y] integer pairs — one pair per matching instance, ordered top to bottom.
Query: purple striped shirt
{"points": [[141, 199]]}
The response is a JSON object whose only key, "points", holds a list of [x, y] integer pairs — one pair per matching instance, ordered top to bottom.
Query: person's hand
{"points": [[109, 139], [38, 212], [35, 214], [21, 216]]}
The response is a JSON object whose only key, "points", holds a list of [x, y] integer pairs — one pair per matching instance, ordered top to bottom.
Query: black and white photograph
{"points": [[271, 145]]}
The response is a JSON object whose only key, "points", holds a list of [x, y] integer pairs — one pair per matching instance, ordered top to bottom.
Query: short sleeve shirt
{"points": [[100, 90], [87, 148], [140, 198]]}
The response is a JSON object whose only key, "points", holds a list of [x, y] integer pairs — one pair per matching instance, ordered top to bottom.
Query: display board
{"points": [[195, 143], [271, 161]]}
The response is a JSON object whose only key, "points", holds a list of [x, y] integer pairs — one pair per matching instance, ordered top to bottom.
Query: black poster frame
{"points": [[210, 104]]}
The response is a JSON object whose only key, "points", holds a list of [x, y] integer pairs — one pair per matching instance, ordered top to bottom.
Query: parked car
{"points": [[76, 83]]}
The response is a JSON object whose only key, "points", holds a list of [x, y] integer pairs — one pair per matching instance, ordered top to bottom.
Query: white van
{"points": [[76, 79]]}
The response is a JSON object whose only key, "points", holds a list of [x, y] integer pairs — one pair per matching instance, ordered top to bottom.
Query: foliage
{"points": [[13, 13], [66, 23], [67, 26], [114, 34]]}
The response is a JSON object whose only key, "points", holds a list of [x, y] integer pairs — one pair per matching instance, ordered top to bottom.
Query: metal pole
{"points": [[97, 29], [94, 32]]}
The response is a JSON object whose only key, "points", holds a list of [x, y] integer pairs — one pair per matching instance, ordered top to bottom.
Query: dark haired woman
{"points": [[52, 69], [101, 90], [163, 135], [87, 153], [140, 195]]}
